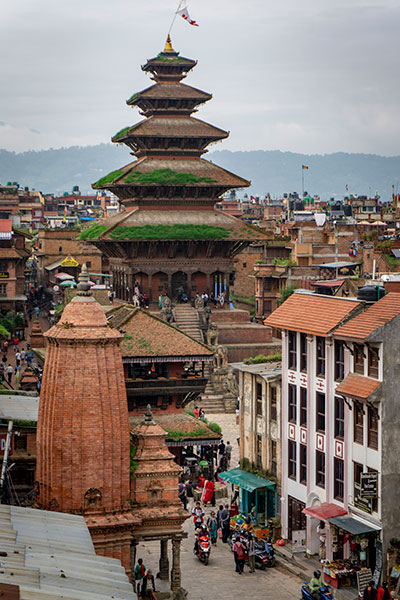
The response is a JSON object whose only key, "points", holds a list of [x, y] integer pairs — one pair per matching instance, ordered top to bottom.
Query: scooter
{"points": [[203, 549], [265, 554], [325, 593]]}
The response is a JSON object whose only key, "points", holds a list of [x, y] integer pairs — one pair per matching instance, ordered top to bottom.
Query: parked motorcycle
{"points": [[203, 548], [265, 554], [324, 591]]}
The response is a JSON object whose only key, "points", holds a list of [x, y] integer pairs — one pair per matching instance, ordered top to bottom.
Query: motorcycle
{"points": [[203, 549], [265, 554], [325, 593]]}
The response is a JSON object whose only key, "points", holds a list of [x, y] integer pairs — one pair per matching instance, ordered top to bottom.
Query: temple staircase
{"points": [[187, 320]]}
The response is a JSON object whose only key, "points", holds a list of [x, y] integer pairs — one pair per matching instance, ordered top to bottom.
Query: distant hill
{"points": [[269, 170]]}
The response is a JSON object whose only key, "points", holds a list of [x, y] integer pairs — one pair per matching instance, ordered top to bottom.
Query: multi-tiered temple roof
{"points": [[168, 145]]}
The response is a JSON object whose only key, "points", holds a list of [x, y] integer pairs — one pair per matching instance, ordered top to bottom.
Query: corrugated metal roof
{"points": [[312, 313], [374, 317], [19, 408], [51, 556]]}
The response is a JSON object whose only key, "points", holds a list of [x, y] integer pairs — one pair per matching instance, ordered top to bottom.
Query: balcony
{"points": [[162, 385]]}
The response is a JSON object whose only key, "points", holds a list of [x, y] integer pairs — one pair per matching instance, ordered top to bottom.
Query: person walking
{"points": [[16, 344], [5, 346], [23, 355], [29, 357], [18, 358], [9, 371], [1, 372], [221, 448], [228, 452], [223, 463], [189, 491], [182, 494], [225, 523], [212, 526], [251, 548], [239, 554], [139, 573], [370, 592], [384, 592]]}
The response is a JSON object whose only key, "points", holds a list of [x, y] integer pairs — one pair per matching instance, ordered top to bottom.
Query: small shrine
{"points": [[154, 484]]}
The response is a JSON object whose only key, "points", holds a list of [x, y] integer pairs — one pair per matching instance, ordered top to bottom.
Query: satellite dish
{"points": [[56, 288]]}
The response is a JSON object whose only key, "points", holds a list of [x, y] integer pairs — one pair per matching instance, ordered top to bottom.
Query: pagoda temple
{"points": [[170, 235]]}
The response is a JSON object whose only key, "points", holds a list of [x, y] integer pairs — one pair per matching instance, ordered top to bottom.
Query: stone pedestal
{"points": [[164, 562], [176, 565]]}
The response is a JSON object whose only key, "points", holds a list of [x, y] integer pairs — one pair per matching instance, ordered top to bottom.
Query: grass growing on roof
{"points": [[170, 58], [133, 97], [121, 133], [166, 177], [110, 178], [92, 232], [170, 232], [260, 358]]}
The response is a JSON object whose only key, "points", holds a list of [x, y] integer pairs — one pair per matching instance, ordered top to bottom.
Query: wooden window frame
{"points": [[292, 350], [303, 352], [320, 356], [339, 360], [358, 360], [373, 362], [259, 399], [273, 403], [292, 405], [303, 407], [320, 415], [339, 418], [358, 424], [372, 428], [292, 460], [303, 464], [320, 469], [338, 470]]}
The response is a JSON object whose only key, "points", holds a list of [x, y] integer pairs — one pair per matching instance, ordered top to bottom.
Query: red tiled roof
{"points": [[170, 90], [174, 127], [5, 225], [327, 283], [309, 313], [371, 319], [148, 336], [357, 386]]}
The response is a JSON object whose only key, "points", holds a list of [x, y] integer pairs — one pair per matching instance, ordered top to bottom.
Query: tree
{"points": [[286, 293]]}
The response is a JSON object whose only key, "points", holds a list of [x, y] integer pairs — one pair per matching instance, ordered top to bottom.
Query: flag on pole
{"points": [[185, 15], [304, 167], [347, 188], [65, 213]]}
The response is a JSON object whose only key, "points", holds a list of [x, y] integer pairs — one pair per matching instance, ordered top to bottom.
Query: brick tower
{"points": [[83, 431]]}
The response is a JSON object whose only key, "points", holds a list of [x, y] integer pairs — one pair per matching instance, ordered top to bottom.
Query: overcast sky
{"points": [[313, 76]]}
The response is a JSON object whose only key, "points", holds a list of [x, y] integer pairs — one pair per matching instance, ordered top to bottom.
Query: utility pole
{"points": [[5, 459]]}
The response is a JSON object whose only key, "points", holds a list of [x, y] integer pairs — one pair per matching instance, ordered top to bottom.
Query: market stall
{"points": [[257, 494]]}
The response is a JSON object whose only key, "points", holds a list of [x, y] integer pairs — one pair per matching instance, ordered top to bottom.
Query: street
{"points": [[218, 579]]}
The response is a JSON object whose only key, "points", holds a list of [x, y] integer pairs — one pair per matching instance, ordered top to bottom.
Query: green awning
{"points": [[247, 481], [352, 525]]}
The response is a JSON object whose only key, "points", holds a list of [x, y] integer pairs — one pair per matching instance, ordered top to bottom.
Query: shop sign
{"points": [[69, 261], [4, 275], [3, 438], [369, 485], [360, 502]]}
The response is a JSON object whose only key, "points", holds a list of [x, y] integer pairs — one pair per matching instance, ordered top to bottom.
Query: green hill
{"points": [[269, 170]]}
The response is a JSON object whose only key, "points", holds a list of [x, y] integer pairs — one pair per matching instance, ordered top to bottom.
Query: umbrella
{"points": [[64, 276], [68, 283]]}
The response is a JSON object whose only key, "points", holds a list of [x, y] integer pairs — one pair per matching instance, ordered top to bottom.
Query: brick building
{"points": [[54, 246], [13, 257]]}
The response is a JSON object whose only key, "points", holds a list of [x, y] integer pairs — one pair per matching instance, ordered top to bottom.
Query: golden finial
{"points": [[168, 45]]}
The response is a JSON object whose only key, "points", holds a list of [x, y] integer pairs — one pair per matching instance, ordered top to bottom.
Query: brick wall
{"points": [[244, 265]]}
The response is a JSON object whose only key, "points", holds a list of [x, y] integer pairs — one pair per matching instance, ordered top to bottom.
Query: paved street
{"points": [[218, 579]]}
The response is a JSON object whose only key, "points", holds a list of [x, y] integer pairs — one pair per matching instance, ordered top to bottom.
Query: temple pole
{"points": [[176, 12]]}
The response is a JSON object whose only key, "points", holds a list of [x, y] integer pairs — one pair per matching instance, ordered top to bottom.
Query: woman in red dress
{"points": [[209, 490]]}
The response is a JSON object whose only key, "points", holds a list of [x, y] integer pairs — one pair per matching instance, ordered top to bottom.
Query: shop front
{"points": [[257, 494]]}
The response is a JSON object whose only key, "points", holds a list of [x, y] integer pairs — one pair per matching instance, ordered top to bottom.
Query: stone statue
{"points": [[198, 302], [166, 311], [207, 316], [212, 335], [221, 357], [230, 385], [180, 594]]}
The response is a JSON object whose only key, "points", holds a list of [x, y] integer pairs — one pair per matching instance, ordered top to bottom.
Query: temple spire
{"points": [[168, 45]]}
